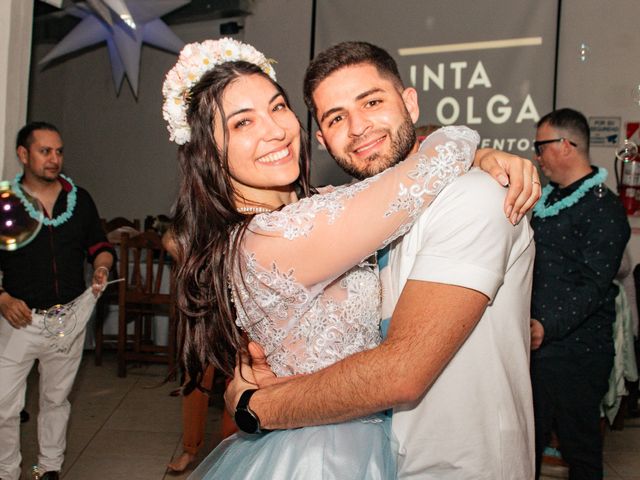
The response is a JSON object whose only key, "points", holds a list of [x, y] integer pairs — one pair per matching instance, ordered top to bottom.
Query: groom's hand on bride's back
{"points": [[260, 368], [253, 372]]}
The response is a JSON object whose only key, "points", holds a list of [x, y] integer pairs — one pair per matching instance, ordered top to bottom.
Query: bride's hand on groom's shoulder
{"points": [[518, 174]]}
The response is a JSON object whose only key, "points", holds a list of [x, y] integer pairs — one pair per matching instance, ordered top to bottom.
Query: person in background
{"points": [[581, 231], [47, 271], [194, 415]]}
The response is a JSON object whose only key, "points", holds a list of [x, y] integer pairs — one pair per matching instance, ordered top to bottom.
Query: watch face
{"points": [[246, 421]]}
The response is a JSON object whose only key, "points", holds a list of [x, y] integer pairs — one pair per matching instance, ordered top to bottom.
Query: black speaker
{"points": [[230, 28]]}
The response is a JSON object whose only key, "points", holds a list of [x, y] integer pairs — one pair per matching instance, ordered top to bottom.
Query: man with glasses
{"points": [[538, 145], [581, 230]]}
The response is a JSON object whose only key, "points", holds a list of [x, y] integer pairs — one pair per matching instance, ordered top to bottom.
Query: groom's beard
{"points": [[402, 142]]}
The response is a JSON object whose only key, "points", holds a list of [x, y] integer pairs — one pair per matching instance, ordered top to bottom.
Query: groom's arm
{"points": [[430, 323]]}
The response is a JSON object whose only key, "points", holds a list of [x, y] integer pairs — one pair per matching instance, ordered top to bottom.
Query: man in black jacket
{"points": [[581, 230], [47, 271]]}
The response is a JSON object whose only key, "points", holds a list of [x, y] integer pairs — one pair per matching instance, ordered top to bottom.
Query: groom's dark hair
{"points": [[346, 54]]}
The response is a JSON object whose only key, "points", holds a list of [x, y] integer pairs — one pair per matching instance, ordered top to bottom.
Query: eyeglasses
{"points": [[538, 143]]}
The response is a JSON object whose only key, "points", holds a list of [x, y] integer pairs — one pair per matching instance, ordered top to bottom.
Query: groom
{"points": [[455, 363]]}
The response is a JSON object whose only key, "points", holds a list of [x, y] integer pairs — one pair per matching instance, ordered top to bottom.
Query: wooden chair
{"points": [[110, 225], [143, 263], [109, 297]]}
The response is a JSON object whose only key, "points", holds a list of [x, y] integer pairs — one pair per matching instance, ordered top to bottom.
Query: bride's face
{"points": [[264, 138]]}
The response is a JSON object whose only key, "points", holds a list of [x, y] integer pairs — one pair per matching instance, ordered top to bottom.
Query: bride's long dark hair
{"points": [[205, 216]]}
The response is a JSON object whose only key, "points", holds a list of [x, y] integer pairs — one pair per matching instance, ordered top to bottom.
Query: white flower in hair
{"points": [[230, 51], [194, 61]]}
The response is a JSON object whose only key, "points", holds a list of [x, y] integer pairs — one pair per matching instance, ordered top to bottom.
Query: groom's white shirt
{"points": [[476, 420]]}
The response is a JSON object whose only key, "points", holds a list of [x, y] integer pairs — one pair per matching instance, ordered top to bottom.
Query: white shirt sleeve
{"points": [[466, 238]]}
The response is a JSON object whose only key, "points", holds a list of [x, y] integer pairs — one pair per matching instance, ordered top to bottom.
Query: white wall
{"points": [[282, 30], [15, 54], [601, 85]]}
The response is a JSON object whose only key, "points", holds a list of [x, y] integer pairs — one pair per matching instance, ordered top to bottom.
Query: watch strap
{"points": [[245, 398], [242, 408]]}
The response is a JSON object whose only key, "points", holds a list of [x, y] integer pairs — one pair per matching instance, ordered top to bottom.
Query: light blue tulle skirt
{"points": [[359, 449]]}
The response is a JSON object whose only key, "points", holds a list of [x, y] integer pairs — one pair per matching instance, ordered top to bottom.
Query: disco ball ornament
{"points": [[583, 52], [635, 95], [627, 151], [600, 190], [17, 227], [60, 320]]}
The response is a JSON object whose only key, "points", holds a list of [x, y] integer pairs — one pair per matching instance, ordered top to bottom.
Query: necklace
{"points": [[253, 209], [542, 211], [33, 213]]}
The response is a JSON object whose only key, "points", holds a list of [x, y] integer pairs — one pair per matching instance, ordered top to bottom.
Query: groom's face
{"points": [[366, 120]]}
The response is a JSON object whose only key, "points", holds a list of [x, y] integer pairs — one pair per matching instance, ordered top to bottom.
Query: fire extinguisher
{"points": [[627, 168]]}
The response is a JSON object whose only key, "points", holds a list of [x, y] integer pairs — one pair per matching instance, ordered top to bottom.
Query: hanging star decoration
{"points": [[54, 3], [124, 25]]}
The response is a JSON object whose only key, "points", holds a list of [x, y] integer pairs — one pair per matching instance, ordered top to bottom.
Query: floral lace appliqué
{"points": [[432, 174], [297, 219], [302, 332]]}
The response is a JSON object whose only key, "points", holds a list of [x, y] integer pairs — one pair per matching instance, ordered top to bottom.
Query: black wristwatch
{"points": [[245, 418]]}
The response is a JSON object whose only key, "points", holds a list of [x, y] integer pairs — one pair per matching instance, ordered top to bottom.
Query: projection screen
{"points": [[489, 65]]}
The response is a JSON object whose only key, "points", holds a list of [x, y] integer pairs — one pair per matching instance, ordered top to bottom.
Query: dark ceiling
{"points": [[50, 24]]}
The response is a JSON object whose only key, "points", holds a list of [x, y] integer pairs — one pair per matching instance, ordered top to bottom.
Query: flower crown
{"points": [[195, 60]]}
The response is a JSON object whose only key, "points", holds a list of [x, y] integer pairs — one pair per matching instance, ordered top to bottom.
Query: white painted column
{"points": [[16, 19]]}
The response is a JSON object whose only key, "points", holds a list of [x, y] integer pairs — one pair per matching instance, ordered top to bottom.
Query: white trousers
{"points": [[57, 373]]}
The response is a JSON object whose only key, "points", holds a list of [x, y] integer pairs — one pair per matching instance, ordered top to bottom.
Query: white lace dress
{"points": [[303, 291]]}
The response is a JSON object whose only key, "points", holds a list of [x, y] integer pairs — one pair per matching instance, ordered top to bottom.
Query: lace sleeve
{"points": [[323, 236]]}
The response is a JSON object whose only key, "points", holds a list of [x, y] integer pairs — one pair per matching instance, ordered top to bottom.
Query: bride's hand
{"points": [[518, 173]]}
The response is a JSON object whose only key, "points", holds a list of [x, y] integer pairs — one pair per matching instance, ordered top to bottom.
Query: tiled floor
{"points": [[120, 428], [130, 428], [622, 452], [621, 455]]}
